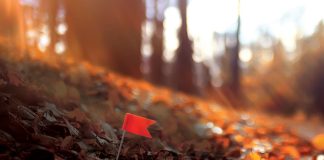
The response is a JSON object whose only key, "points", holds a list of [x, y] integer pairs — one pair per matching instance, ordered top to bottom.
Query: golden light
{"points": [[172, 18], [171, 25], [61, 28], [147, 33], [31, 34], [288, 38], [43, 42], [60, 48], [146, 50], [245, 55], [267, 57], [320, 157]]}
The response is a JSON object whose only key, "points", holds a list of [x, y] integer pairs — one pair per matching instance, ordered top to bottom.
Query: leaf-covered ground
{"points": [[74, 110]]}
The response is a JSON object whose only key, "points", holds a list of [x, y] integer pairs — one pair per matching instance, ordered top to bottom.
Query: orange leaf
{"points": [[318, 142], [253, 156]]}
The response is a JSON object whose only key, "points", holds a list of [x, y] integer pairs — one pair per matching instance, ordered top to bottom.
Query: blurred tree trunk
{"points": [[51, 8], [48, 16], [52, 17], [81, 26], [12, 29], [107, 32], [156, 62], [183, 67], [233, 78]]}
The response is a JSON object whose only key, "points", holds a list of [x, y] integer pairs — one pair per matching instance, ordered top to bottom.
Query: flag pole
{"points": [[121, 144]]}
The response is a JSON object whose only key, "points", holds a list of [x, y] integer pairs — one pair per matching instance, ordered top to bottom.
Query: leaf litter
{"points": [[80, 118]]}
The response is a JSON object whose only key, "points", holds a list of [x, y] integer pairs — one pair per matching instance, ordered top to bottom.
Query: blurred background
{"points": [[257, 54]]}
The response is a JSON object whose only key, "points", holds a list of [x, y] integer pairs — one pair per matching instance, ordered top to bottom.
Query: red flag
{"points": [[137, 125]]}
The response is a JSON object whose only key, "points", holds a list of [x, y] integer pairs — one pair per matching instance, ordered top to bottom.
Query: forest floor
{"points": [[74, 110]]}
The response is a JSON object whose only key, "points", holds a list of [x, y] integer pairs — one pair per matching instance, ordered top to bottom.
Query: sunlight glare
{"points": [[211, 15], [206, 20], [171, 24], [61, 28], [147, 33], [31, 36], [43, 42], [60, 48], [146, 50], [245, 55], [267, 56], [320, 157]]}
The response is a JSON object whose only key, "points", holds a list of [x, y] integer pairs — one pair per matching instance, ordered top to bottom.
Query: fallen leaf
{"points": [[52, 107], [26, 113], [48, 115], [78, 115], [73, 131], [109, 132], [44, 140], [318, 142], [67, 143], [290, 151], [253, 156]]}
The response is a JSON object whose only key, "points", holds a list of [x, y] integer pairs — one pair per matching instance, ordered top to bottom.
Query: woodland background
{"points": [[118, 36]]}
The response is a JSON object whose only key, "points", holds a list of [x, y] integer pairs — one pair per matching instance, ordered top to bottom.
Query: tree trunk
{"points": [[52, 17], [12, 28], [107, 32], [234, 59], [156, 63], [183, 72]]}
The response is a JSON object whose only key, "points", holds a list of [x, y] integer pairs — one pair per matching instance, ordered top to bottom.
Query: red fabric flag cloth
{"points": [[137, 125]]}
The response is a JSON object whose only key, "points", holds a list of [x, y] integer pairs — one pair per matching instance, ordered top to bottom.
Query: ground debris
{"points": [[76, 113]]}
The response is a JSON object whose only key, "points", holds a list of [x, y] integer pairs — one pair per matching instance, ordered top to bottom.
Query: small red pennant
{"points": [[137, 125]]}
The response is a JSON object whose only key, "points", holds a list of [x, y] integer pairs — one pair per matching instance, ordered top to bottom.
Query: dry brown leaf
{"points": [[78, 115], [67, 143]]}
